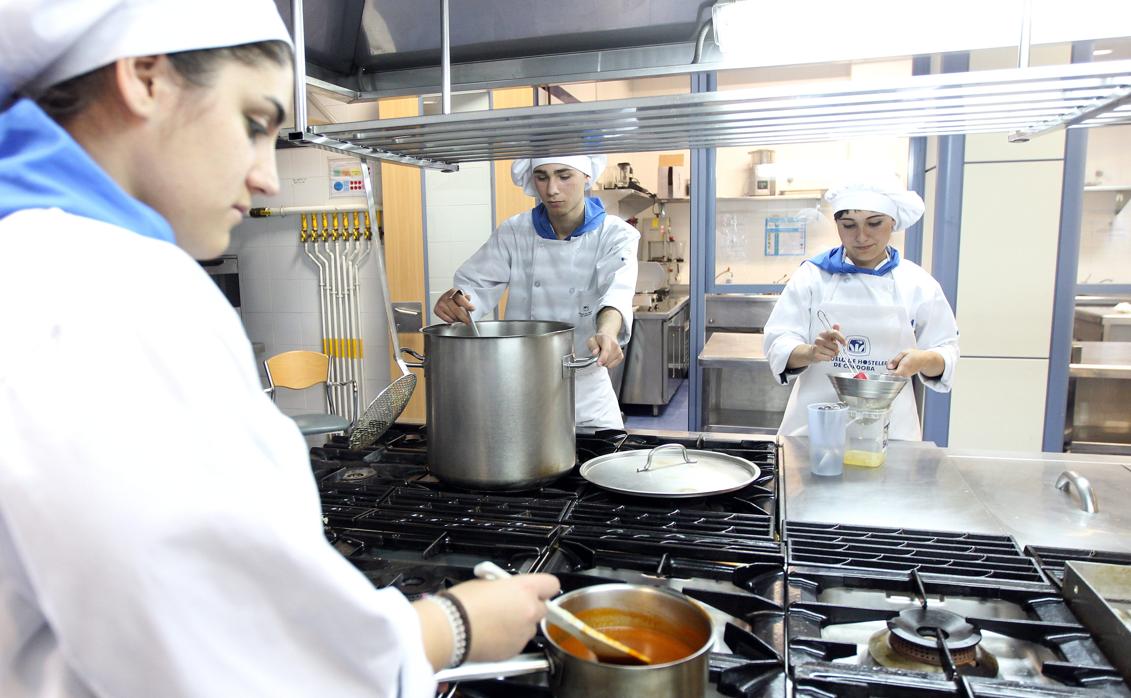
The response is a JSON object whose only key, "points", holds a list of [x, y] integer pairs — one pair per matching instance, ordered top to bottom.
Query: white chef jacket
{"points": [[565, 281], [907, 286], [160, 529]]}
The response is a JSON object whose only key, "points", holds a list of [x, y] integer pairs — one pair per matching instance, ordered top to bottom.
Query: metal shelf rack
{"points": [[1026, 102]]}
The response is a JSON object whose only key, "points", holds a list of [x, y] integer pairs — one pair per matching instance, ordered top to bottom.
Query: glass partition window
{"points": [[1105, 228]]}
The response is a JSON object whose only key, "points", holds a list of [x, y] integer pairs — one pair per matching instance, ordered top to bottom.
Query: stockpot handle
{"points": [[419, 363], [571, 363], [652, 454], [530, 663]]}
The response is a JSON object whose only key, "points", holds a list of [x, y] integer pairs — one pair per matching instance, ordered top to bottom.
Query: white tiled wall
{"points": [[458, 212], [279, 284]]}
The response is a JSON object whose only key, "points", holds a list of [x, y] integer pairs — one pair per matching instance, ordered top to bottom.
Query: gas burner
{"points": [[356, 474], [914, 633], [911, 643]]}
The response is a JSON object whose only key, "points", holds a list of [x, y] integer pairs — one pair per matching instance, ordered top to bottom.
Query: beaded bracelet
{"points": [[457, 619], [465, 621]]}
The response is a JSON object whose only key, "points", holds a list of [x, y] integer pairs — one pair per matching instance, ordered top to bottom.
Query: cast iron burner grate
{"points": [[974, 555], [1051, 560], [1041, 648]]}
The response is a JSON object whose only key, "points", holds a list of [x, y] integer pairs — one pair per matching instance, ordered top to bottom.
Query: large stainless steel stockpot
{"points": [[500, 404]]}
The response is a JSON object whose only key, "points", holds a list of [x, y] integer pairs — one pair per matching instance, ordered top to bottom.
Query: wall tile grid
{"points": [[279, 283]]}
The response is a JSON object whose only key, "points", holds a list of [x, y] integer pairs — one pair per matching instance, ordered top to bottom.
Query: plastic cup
{"points": [[827, 424]]}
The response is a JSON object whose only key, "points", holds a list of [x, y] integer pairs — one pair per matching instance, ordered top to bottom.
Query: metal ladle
{"points": [[470, 320], [829, 326], [390, 402], [603, 646]]}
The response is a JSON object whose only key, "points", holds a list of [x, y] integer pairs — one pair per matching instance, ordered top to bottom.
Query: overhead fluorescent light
{"points": [[1102, 52]]}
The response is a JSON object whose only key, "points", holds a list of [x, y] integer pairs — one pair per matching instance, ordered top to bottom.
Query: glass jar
{"points": [[866, 437]]}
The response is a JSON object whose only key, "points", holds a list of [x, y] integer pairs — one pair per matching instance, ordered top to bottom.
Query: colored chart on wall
{"points": [[345, 178], [785, 236]]}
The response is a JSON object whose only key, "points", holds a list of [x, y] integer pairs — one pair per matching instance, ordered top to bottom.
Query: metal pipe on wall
{"points": [[445, 59], [300, 65], [281, 211]]}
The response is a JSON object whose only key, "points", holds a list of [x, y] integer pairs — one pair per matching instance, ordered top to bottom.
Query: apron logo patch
{"points": [[585, 311], [857, 344]]}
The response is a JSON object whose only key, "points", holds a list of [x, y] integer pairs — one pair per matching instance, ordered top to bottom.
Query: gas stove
{"points": [[402, 528], [801, 609]]}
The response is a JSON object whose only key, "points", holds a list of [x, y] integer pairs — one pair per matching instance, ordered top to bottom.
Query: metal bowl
{"points": [[875, 393]]}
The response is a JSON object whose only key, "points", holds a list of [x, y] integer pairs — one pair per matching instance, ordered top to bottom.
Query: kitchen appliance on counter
{"points": [[401, 527]]}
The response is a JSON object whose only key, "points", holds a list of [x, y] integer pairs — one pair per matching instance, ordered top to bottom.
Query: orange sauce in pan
{"points": [[639, 631]]}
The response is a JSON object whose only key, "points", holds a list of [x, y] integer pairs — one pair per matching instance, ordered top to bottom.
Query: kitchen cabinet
{"points": [[658, 355]]}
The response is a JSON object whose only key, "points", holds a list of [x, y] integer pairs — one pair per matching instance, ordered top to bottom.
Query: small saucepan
{"points": [[669, 627]]}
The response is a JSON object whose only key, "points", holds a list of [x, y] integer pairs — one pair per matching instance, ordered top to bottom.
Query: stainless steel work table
{"points": [[739, 392], [922, 486]]}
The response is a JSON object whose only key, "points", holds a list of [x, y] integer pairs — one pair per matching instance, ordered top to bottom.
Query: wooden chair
{"points": [[299, 370]]}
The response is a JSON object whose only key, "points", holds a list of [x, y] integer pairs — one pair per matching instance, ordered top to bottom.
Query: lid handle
{"points": [[652, 454]]}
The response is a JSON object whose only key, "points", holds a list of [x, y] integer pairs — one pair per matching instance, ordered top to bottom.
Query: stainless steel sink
{"points": [[739, 312]]}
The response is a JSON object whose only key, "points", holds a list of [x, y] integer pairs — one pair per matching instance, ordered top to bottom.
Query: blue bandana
{"points": [[41, 166], [594, 217], [834, 262]]}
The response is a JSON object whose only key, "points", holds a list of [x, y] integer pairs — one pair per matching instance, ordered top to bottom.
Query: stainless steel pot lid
{"points": [[670, 470]]}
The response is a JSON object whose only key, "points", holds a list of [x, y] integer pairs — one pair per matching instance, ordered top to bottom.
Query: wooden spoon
{"points": [[604, 647]]}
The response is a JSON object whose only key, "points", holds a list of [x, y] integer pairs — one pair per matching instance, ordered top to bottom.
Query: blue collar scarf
{"points": [[41, 166], [594, 217], [834, 262]]}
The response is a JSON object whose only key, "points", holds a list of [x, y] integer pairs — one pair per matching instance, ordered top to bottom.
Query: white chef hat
{"points": [[45, 43], [522, 171], [906, 207]]}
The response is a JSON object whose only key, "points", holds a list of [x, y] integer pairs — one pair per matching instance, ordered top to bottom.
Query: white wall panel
{"points": [[1007, 263], [999, 404]]}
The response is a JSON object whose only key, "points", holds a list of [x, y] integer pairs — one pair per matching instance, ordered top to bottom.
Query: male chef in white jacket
{"points": [[565, 260]]}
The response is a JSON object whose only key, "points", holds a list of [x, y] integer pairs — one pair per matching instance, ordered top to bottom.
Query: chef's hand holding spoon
{"points": [[454, 306], [502, 614]]}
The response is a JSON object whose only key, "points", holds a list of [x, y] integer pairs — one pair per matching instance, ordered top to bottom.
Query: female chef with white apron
{"points": [[566, 260], [888, 313], [192, 561]]}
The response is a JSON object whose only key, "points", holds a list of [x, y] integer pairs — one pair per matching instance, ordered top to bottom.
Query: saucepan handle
{"points": [[530, 663]]}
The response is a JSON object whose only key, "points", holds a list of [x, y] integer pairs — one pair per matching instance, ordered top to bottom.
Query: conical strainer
{"points": [[878, 392], [390, 402]]}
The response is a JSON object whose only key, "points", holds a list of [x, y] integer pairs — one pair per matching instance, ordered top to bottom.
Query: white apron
{"points": [[564, 287], [876, 332]]}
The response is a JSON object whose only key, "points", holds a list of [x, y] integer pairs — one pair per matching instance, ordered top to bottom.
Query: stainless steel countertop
{"points": [[678, 303], [733, 349], [1102, 360], [924, 486]]}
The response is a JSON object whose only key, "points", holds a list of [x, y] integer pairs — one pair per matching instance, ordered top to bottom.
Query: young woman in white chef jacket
{"points": [[566, 260], [888, 312], [160, 531]]}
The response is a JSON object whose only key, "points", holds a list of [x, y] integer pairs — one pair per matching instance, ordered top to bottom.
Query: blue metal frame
{"points": [[917, 173], [945, 247], [702, 252], [1067, 267], [1101, 289]]}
